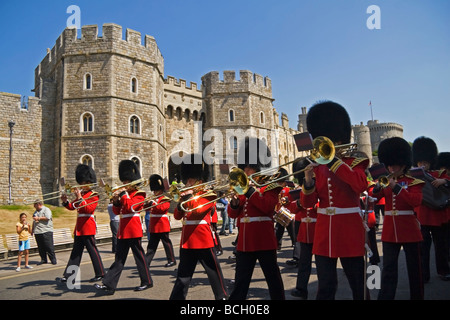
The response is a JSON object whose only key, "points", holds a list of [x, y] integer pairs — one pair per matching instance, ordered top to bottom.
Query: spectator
{"points": [[114, 224], [23, 229], [43, 232]]}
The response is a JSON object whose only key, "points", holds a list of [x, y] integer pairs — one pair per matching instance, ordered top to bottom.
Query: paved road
{"points": [[39, 283]]}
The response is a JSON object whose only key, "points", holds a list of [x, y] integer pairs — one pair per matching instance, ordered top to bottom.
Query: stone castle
{"points": [[99, 100]]}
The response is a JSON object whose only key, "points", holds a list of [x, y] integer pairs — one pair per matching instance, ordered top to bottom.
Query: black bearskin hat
{"points": [[331, 120], [424, 149], [395, 151], [254, 153], [443, 160], [297, 166], [193, 167], [128, 171], [84, 173], [156, 182]]}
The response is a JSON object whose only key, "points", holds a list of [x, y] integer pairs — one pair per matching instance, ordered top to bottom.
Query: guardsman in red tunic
{"points": [[443, 163], [337, 186], [284, 198], [368, 206], [306, 218], [433, 223], [159, 224], [400, 225], [130, 230], [84, 236], [256, 241], [197, 242]]}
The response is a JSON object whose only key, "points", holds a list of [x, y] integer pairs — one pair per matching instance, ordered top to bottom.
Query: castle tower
{"points": [[105, 94], [236, 108], [301, 127], [361, 136]]}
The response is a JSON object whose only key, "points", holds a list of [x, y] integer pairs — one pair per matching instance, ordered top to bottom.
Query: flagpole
{"points": [[371, 113]]}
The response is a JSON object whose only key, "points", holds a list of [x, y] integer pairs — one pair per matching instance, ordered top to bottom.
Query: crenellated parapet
{"points": [[111, 41], [248, 82], [179, 85]]}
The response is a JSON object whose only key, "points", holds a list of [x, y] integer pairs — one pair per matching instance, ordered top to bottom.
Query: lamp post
{"points": [[11, 124]]}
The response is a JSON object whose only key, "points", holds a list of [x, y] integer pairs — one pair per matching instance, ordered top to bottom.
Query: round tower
{"points": [[361, 136]]}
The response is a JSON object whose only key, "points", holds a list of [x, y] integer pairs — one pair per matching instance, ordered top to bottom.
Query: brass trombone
{"points": [[323, 152], [141, 183], [238, 184], [65, 188], [173, 194]]}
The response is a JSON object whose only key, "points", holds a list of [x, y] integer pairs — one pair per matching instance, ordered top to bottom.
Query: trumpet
{"points": [[323, 152], [384, 180], [238, 184]]}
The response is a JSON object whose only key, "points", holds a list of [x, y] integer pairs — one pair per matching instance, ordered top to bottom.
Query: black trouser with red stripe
{"points": [[88, 242], [153, 245], [123, 247], [245, 264], [186, 268]]}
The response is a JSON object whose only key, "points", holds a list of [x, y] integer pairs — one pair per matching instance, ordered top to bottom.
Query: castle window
{"points": [[87, 81], [134, 85], [169, 112], [195, 115], [231, 115], [261, 116], [87, 122], [135, 125], [233, 143], [87, 160]]}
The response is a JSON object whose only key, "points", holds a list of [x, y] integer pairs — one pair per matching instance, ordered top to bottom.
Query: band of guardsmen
{"points": [[329, 212]]}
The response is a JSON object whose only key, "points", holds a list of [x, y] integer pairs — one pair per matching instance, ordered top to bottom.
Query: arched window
{"points": [[87, 81], [134, 85], [169, 112], [231, 115], [261, 117], [87, 122], [135, 125], [87, 160]]}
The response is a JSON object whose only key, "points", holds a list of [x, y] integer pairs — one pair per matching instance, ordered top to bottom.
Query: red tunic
{"points": [[432, 217], [255, 218], [307, 218], [159, 220], [130, 222], [400, 223], [85, 225], [339, 228], [196, 231]]}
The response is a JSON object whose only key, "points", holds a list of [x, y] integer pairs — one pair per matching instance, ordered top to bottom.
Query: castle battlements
{"points": [[111, 41], [247, 82], [179, 85]]}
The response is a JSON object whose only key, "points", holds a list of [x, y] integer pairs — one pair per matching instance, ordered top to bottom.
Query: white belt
{"points": [[333, 210], [399, 212], [85, 215], [130, 215], [152, 215], [255, 219], [308, 219], [194, 222]]}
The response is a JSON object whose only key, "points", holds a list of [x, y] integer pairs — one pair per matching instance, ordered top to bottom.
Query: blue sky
{"points": [[311, 50]]}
